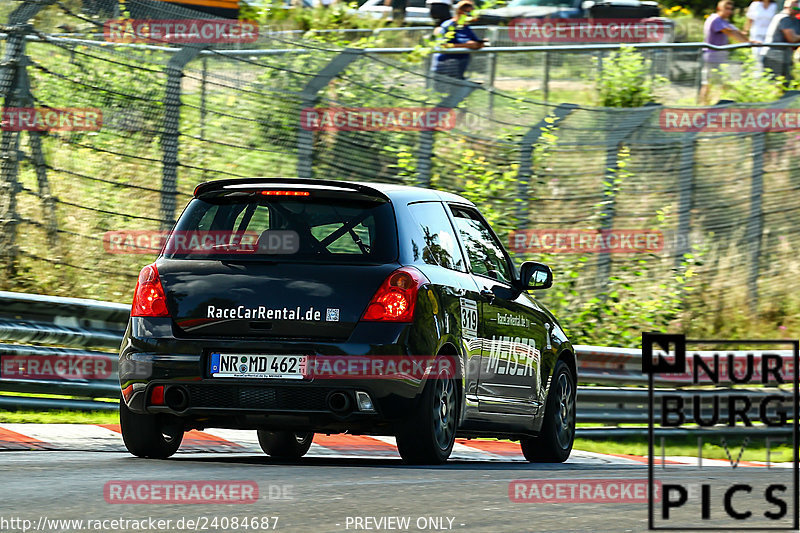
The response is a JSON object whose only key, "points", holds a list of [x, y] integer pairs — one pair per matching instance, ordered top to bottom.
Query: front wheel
{"points": [[151, 436], [428, 437], [554, 443], [285, 444]]}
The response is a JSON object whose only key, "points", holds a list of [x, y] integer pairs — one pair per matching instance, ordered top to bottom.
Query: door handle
{"points": [[488, 294]]}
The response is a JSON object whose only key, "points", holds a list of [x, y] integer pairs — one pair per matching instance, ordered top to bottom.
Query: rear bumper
{"points": [[152, 356]]}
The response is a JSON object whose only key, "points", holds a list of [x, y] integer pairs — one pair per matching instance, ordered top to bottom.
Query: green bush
{"points": [[625, 80]]}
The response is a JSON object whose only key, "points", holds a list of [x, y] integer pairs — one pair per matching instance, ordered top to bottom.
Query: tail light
{"points": [[149, 298], [395, 299]]}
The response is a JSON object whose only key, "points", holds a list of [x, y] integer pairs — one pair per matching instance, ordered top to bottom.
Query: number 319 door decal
{"points": [[469, 318]]}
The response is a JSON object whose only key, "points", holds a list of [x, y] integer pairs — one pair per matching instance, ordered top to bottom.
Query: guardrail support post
{"points": [[459, 91], [309, 98], [169, 138], [525, 173], [610, 189]]}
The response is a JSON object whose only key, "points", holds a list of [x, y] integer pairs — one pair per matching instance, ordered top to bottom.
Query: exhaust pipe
{"points": [[176, 398], [339, 402]]}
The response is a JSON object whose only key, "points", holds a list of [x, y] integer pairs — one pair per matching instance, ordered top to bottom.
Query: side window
{"points": [[435, 242], [485, 253]]}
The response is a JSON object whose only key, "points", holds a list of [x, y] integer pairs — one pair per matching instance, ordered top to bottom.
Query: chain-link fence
{"points": [[77, 200]]}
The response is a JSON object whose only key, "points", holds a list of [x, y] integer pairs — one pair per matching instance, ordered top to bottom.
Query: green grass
{"points": [[59, 417]]}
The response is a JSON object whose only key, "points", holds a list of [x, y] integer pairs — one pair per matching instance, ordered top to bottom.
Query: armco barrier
{"points": [[82, 324]]}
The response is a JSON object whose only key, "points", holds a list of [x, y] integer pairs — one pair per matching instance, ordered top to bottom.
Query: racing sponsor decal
{"points": [[263, 313], [469, 318], [507, 319], [515, 356], [581, 491], [171, 492]]}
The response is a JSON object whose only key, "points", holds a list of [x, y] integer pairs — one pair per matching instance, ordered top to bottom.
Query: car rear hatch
{"points": [[277, 259]]}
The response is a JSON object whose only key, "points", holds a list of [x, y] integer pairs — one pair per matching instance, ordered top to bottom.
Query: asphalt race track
{"points": [[343, 484]]}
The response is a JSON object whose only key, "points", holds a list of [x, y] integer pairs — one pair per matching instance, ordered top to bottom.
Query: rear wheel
{"points": [[151, 436], [428, 437], [554, 443], [284, 444]]}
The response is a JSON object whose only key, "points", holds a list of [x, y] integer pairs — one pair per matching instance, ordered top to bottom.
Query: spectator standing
{"points": [[439, 10], [398, 11], [759, 15], [784, 28], [718, 30], [457, 34]]}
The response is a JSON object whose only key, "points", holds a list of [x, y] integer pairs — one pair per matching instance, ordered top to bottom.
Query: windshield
{"points": [[255, 227]]}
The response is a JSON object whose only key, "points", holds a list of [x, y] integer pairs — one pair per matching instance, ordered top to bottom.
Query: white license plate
{"points": [[233, 365]]}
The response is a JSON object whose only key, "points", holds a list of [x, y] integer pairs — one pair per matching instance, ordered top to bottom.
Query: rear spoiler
{"points": [[270, 183]]}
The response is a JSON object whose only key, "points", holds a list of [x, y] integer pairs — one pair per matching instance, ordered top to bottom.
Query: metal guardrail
{"points": [[28, 321]]}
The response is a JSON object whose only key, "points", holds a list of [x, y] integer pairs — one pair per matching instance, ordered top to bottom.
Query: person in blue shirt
{"points": [[456, 33]]}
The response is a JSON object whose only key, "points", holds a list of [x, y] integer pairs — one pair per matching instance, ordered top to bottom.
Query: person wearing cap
{"points": [[784, 28], [456, 33]]}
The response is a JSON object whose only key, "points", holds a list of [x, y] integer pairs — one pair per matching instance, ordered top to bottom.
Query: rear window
{"points": [[254, 227]]}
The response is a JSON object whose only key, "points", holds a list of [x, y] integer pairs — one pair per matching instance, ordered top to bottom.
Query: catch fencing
{"points": [[725, 204], [612, 398]]}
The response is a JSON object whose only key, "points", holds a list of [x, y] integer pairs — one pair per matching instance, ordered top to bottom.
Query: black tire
{"points": [[150, 436], [428, 437], [554, 443], [285, 444]]}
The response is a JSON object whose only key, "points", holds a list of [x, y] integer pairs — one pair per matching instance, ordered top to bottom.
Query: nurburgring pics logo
{"points": [[533, 30], [189, 31], [377, 118], [51, 119], [729, 120], [577, 241], [746, 400], [171, 492]]}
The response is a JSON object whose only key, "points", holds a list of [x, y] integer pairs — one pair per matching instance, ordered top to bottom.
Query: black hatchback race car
{"points": [[295, 307]]}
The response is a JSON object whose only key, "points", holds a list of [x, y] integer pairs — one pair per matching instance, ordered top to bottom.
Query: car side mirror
{"points": [[533, 275]]}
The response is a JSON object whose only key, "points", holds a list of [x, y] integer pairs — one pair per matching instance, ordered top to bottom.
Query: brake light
{"points": [[286, 193], [149, 298], [395, 299]]}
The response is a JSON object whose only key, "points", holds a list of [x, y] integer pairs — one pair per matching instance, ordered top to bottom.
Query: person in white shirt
{"points": [[759, 15]]}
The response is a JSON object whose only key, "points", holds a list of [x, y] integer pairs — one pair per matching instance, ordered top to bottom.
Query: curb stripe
{"points": [[11, 440], [197, 441]]}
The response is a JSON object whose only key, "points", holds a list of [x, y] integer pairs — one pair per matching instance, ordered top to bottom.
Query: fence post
{"points": [[492, 69], [460, 89], [13, 94], [309, 98], [169, 138], [525, 173], [685, 197], [608, 209], [755, 220]]}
